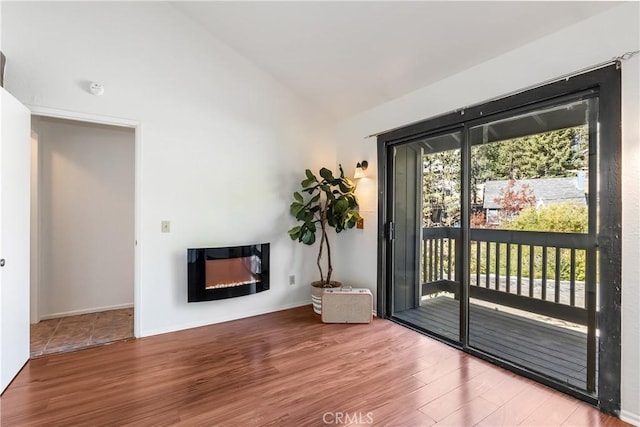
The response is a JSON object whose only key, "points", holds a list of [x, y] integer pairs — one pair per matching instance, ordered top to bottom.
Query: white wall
{"points": [[587, 43], [222, 145], [86, 217]]}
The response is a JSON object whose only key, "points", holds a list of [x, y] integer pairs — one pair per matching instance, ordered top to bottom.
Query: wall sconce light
{"points": [[360, 168]]}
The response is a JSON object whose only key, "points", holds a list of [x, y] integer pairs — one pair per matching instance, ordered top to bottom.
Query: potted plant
{"points": [[323, 203]]}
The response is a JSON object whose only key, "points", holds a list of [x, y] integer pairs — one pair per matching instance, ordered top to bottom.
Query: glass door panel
{"points": [[532, 241], [426, 243]]}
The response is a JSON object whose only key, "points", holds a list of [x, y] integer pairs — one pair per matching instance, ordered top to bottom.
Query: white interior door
{"points": [[15, 165]]}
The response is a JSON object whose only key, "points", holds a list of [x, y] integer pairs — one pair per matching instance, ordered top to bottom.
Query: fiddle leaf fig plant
{"points": [[323, 202]]}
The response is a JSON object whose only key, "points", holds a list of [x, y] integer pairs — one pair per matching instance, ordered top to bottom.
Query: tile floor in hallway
{"points": [[77, 332]]}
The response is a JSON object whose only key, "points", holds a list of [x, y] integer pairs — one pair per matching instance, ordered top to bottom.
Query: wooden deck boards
{"points": [[551, 350]]}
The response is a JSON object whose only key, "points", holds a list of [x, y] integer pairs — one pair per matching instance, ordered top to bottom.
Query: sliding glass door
{"points": [[495, 221]]}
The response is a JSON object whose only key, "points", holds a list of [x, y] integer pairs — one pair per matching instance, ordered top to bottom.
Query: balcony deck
{"points": [[552, 350]]}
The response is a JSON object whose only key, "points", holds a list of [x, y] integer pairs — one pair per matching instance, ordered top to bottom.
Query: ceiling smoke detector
{"points": [[96, 89]]}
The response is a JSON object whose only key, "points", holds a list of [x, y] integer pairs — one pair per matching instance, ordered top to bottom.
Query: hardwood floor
{"points": [[282, 369]]}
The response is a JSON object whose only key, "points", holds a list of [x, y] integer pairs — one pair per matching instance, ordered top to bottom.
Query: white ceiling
{"points": [[347, 57]]}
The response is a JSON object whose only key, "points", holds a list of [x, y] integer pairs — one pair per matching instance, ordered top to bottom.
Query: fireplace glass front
{"points": [[227, 272]]}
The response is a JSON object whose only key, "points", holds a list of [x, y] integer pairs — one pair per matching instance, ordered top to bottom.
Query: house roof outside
{"points": [[546, 190]]}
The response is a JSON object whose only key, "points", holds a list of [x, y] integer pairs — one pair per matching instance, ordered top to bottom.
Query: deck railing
{"points": [[540, 272]]}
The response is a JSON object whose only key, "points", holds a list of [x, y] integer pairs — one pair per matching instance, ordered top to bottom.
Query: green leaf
{"points": [[326, 174], [310, 175], [349, 183], [325, 188], [298, 196], [353, 201], [341, 205], [295, 208], [300, 216], [308, 217], [294, 233], [308, 238]]}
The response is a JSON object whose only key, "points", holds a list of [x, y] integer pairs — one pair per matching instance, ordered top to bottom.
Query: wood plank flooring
{"points": [[557, 352], [282, 369]]}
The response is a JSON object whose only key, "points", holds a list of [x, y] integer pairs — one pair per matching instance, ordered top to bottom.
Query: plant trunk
{"points": [[324, 239], [320, 251], [329, 266]]}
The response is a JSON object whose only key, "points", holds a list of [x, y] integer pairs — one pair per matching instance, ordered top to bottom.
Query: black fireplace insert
{"points": [[227, 272]]}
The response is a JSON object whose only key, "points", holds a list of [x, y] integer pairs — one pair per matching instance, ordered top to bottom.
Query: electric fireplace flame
{"points": [[224, 273]]}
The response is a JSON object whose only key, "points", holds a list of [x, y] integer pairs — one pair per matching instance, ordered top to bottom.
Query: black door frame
{"points": [[604, 82]]}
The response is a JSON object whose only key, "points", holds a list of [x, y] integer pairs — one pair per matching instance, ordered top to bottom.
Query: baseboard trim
{"points": [[85, 311], [630, 417]]}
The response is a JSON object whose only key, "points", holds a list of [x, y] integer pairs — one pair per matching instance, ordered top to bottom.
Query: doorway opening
{"points": [[83, 220]]}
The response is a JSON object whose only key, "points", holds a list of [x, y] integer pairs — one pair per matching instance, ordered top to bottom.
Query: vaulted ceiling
{"points": [[347, 57]]}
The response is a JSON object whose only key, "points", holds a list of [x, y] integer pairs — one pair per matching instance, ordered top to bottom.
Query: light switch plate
{"points": [[165, 226]]}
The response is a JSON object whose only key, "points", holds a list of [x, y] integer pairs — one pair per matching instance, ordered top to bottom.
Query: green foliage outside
{"points": [[560, 153], [547, 155], [441, 189], [565, 217], [558, 218], [561, 218], [565, 262]]}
